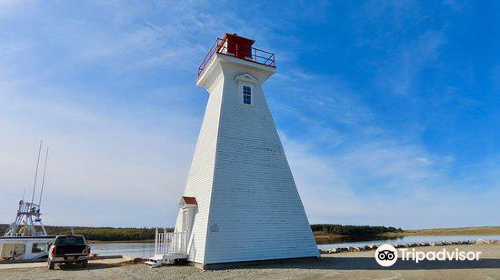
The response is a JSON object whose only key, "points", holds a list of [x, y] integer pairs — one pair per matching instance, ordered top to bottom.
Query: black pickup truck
{"points": [[69, 249]]}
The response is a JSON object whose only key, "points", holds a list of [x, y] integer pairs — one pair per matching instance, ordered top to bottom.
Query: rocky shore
{"points": [[409, 245]]}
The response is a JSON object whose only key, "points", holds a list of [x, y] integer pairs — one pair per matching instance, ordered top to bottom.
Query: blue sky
{"points": [[388, 110]]}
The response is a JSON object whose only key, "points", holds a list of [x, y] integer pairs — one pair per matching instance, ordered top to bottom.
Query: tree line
{"points": [[349, 230], [100, 233], [137, 234]]}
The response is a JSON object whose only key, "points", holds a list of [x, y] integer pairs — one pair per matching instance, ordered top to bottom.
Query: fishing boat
{"points": [[26, 238]]}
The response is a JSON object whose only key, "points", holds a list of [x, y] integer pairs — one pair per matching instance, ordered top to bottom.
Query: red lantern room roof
{"points": [[239, 47], [189, 200]]}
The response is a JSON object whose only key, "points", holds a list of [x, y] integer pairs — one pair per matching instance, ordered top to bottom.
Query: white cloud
{"points": [[401, 72], [95, 155], [351, 169], [385, 183]]}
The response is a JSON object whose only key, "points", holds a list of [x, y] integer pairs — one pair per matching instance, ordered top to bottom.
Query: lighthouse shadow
{"points": [[369, 263]]}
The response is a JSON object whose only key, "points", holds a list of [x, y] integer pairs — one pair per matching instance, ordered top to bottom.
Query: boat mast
{"points": [[36, 172], [43, 177], [28, 213], [38, 219]]}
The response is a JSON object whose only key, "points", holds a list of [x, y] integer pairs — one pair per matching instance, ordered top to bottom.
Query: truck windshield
{"points": [[69, 240]]}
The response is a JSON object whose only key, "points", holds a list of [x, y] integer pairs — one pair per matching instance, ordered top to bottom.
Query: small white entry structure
{"points": [[240, 203], [171, 246]]}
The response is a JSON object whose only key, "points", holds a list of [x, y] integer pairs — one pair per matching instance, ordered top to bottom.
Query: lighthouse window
{"points": [[247, 95]]}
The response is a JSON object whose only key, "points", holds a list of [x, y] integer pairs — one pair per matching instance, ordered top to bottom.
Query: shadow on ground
{"points": [[369, 263], [91, 266]]}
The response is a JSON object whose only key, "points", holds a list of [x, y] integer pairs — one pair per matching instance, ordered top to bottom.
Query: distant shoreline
{"points": [[486, 230], [146, 235], [326, 238]]}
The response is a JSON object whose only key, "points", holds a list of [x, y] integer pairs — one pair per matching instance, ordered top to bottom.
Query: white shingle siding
{"points": [[200, 178], [249, 207]]}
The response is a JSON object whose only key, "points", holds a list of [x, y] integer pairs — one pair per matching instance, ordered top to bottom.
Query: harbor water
{"points": [[146, 250]]}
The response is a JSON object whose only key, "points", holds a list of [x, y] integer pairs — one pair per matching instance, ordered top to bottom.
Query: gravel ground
{"points": [[358, 265]]}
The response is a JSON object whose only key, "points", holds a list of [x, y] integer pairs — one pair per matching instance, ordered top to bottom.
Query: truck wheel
{"points": [[85, 263], [51, 265]]}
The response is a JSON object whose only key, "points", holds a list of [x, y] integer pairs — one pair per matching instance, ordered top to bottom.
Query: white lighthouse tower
{"points": [[240, 203]]}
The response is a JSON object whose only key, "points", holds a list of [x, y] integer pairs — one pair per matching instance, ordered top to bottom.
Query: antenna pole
{"points": [[36, 172], [43, 178]]}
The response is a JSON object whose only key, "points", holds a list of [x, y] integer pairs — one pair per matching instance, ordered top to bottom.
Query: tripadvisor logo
{"points": [[387, 255]]}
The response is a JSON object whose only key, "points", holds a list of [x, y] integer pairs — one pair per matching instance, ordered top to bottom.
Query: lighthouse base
{"points": [[229, 265]]}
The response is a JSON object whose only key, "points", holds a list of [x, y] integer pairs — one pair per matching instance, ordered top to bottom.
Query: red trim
{"points": [[189, 200]]}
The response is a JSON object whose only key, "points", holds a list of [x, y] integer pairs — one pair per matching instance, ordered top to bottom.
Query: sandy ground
{"points": [[96, 263], [358, 265]]}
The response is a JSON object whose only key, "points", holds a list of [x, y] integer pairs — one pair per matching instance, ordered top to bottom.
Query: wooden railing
{"points": [[169, 243]]}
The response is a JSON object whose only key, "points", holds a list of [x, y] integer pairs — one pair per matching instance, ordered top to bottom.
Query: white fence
{"points": [[171, 243]]}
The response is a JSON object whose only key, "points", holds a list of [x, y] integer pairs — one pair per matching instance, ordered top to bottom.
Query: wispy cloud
{"points": [[401, 73], [93, 155], [352, 168], [388, 183]]}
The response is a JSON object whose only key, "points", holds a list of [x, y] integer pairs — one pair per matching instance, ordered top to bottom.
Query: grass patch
{"points": [[490, 230]]}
